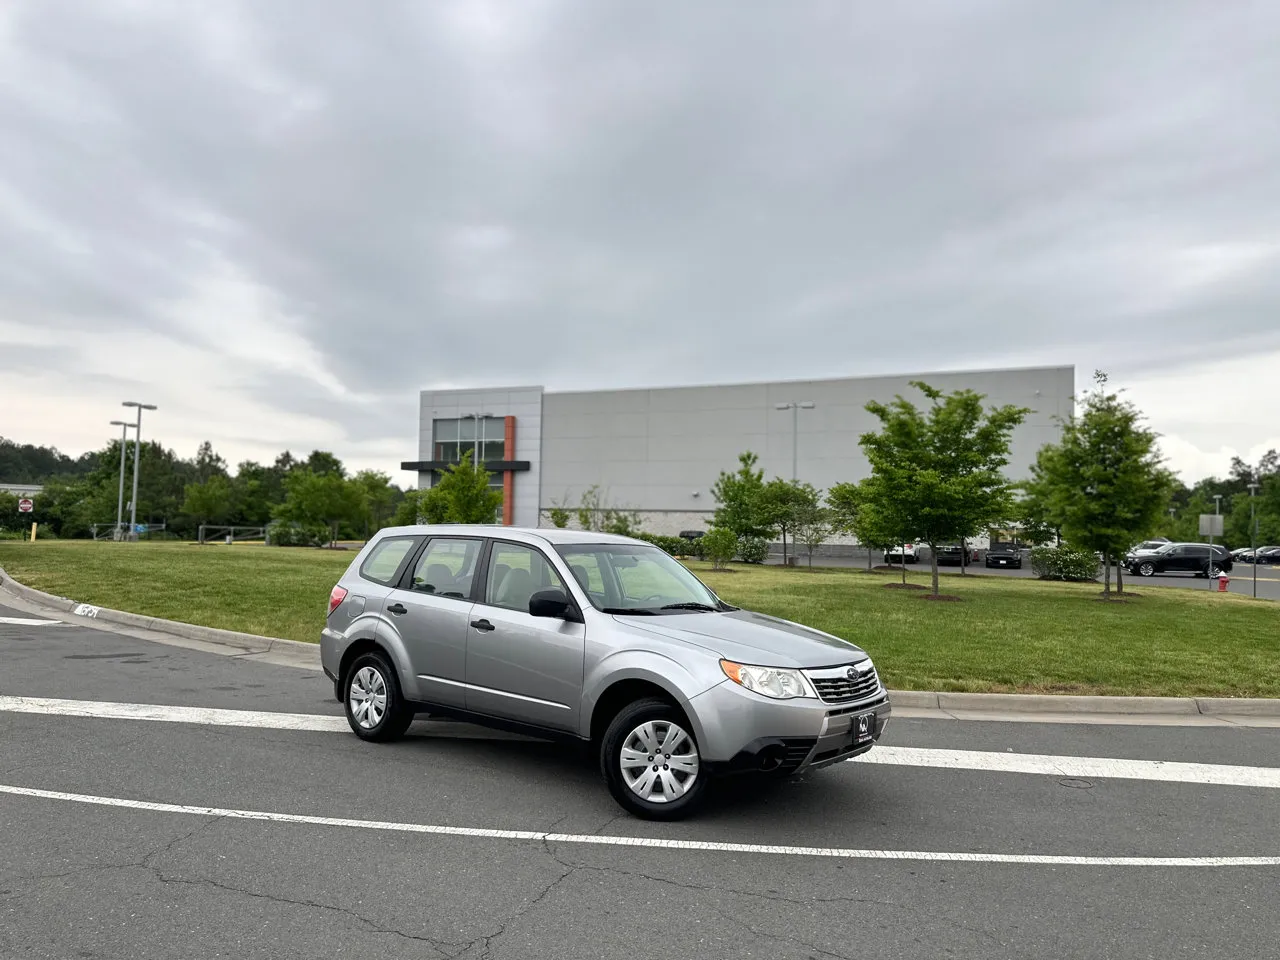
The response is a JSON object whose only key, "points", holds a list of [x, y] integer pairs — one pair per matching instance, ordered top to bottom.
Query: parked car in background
{"points": [[1149, 546], [903, 553], [956, 555], [1004, 555], [1267, 555], [1197, 559], [596, 639]]}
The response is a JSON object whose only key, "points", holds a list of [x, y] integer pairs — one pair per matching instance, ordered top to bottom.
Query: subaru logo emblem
{"points": [[851, 673]]}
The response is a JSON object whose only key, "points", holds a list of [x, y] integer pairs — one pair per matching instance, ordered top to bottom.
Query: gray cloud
{"points": [[593, 193]]}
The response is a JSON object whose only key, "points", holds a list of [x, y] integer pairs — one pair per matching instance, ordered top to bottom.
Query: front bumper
{"points": [[744, 732]]}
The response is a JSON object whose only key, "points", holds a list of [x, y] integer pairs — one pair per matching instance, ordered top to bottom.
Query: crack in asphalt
{"points": [[774, 897]]}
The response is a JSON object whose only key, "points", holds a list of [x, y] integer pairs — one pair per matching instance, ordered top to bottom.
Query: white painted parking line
{"points": [[26, 622], [147, 711], [1086, 767], [1102, 768], [709, 846]]}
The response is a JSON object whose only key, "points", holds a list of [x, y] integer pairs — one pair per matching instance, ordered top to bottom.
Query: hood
{"points": [[748, 637]]}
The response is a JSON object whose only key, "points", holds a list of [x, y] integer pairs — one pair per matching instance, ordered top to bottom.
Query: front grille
{"points": [[841, 689]]}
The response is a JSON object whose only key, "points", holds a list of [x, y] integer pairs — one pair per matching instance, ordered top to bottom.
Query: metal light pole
{"points": [[795, 406], [124, 426], [137, 461], [1217, 511], [1253, 536]]}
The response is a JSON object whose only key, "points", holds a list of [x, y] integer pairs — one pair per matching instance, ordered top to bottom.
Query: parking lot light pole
{"points": [[795, 406], [124, 426], [137, 461], [1253, 536]]}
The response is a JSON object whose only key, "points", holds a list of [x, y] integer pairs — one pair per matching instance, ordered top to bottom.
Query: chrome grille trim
{"points": [[833, 684]]}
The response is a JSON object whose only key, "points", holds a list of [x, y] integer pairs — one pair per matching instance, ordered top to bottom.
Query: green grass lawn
{"points": [[1006, 635]]}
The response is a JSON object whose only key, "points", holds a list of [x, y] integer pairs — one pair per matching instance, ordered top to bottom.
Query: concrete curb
{"points": [[242, 643], [247, 644]]}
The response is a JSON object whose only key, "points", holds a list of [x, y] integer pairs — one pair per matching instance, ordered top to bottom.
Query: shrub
{"points": [[297, 535], [676, 546], [719, 546], [753, 549], [1064, 563]]}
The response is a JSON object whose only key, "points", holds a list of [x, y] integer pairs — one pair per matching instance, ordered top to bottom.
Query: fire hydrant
{"points": [[1223, 580]]}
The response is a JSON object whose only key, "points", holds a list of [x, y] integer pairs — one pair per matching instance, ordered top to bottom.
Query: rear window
{"points": [[383, 562]]}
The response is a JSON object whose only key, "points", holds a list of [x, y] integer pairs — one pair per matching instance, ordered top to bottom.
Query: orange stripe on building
{"points": [[508, 476]]}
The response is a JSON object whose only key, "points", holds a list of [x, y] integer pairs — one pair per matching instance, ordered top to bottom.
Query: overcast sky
{"points": [[279, 221]]}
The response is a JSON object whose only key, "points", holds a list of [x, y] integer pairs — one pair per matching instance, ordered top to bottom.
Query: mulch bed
{"points": [[905, 586]]}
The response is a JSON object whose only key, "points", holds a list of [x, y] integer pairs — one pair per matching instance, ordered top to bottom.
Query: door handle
{"points": [[397, 608], [483, 625]]}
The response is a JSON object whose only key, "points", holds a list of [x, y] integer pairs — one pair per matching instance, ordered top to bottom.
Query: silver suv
{"points": [[592, 638]]}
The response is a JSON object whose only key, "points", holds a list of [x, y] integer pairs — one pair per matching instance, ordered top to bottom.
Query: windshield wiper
{"points": [[690, 605], [629, 611]]}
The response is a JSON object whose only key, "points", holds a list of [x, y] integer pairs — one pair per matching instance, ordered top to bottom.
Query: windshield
{"points": [[636, 578]]}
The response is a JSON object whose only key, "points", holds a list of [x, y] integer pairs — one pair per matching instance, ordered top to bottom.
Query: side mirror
{"points": [[553, 603]]}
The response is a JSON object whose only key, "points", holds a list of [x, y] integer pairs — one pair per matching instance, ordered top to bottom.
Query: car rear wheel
{"points": [[1146, 569], [1211, 571], [375, 708], [649, 758]]}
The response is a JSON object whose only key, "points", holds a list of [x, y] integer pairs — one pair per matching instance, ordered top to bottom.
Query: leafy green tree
{"points": [[208, 463], [323, 463], [937, 476], [1104, 483], [463, 495], [379, 497], [210, 501], [320, 502], [783, 502], [741, 508], [852, 514], [558, 516], [812, 522], [719, 545]]}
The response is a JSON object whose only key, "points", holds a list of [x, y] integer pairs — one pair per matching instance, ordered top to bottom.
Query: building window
{"points": [[485, 436]]}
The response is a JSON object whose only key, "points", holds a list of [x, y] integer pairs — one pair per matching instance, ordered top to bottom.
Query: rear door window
{"points": [[386, 558], [447, 567]]}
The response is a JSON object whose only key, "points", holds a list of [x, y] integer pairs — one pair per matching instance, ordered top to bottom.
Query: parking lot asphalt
{"points": [[1240, 580], [138, 838]]}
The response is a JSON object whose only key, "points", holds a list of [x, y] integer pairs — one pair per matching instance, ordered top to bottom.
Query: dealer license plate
{"points": [[866, 726]]}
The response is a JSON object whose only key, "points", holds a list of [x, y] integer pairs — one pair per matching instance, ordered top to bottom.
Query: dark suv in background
{"points": [[1001, 554], [1193, 558]]}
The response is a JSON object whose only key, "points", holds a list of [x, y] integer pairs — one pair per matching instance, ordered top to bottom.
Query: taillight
{"points": [[336, 596]]}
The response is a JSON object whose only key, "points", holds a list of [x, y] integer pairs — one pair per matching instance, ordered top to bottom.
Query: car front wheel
{"points": [[1146, 569], [375, 708], [650, 760]]}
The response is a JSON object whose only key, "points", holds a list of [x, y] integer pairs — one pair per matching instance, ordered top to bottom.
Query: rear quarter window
{"points": [[384, 561]]}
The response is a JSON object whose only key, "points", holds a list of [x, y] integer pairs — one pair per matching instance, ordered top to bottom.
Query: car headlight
{"points": [[779, 683]]}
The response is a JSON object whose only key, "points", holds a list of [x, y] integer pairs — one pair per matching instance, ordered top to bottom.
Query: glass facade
{"points": [[486, 436]]}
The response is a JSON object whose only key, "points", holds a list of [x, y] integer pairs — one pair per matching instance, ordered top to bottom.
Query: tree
{"points": [[208, 463], [322, 463], [937, 476], [1104, 483], [463, 495], [379, 496], [210, 501], [320, 502], [782, 502], [741, 508], [594, 513], [852, 514], [812, 525], [719, 545]]}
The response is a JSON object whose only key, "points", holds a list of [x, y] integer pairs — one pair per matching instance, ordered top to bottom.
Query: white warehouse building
{"points": [[659, 451]]}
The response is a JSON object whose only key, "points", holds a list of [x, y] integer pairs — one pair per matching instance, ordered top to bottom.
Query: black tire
{"points": [[1146, 569], [395, 718], [628, 719]]}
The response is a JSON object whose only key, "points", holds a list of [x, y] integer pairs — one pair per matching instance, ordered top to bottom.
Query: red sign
{"points": [[26, 505]]}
